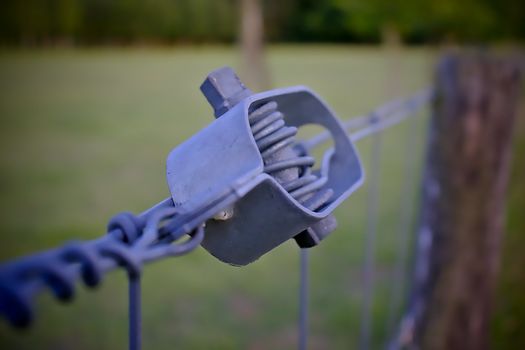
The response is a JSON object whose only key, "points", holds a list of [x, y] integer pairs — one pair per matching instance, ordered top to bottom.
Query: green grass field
{"points": [[85, 134]]}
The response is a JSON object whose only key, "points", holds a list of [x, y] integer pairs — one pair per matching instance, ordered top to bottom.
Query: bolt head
{"points": [[223, 89]]}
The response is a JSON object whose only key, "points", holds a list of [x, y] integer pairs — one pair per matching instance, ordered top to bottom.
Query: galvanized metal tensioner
{"points": [[226, 167]]}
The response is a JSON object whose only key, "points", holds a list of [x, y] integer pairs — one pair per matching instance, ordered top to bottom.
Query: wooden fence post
{"points": [[462, 218]]}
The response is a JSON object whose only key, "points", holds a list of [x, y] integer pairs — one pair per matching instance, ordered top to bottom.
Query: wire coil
{"points": [[286, 161], [131, 241]]}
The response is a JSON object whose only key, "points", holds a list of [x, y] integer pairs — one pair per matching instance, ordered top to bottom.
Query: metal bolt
{"points": [[223, 89]]}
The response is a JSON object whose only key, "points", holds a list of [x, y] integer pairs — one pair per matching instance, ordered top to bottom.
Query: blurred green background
{"points": [[34, 22], [93, 96], [85, 135]]}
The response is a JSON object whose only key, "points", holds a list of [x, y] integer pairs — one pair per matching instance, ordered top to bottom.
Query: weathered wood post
{"points": [[463, 205]]}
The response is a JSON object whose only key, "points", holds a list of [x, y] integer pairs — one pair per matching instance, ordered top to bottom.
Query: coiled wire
{"points": [[288, 163], [131, 242]]}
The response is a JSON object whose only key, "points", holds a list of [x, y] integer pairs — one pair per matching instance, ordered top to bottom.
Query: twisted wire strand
{"points": [[131, 242]]}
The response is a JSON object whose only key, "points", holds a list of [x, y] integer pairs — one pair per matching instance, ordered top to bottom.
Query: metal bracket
{"points": [[222, 166]]}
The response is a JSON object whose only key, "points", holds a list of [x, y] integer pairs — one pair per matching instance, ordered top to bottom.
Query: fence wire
{"points": [[373, 124], [156, 234]]}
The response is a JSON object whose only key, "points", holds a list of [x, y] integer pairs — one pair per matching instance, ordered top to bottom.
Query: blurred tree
{"points": [[127, 21], [252, 45]]}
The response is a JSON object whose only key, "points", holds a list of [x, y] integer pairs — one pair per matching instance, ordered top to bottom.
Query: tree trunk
{"points": [[252, 45]]}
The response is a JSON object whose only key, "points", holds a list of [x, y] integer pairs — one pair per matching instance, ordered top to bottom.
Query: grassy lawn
{"points": [[85, 134]]}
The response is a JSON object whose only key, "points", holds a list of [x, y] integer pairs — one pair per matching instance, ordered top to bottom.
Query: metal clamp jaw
{"points": [[222, 170]]}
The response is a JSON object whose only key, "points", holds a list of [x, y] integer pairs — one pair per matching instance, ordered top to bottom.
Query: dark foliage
{"points": [[37, 22]]}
